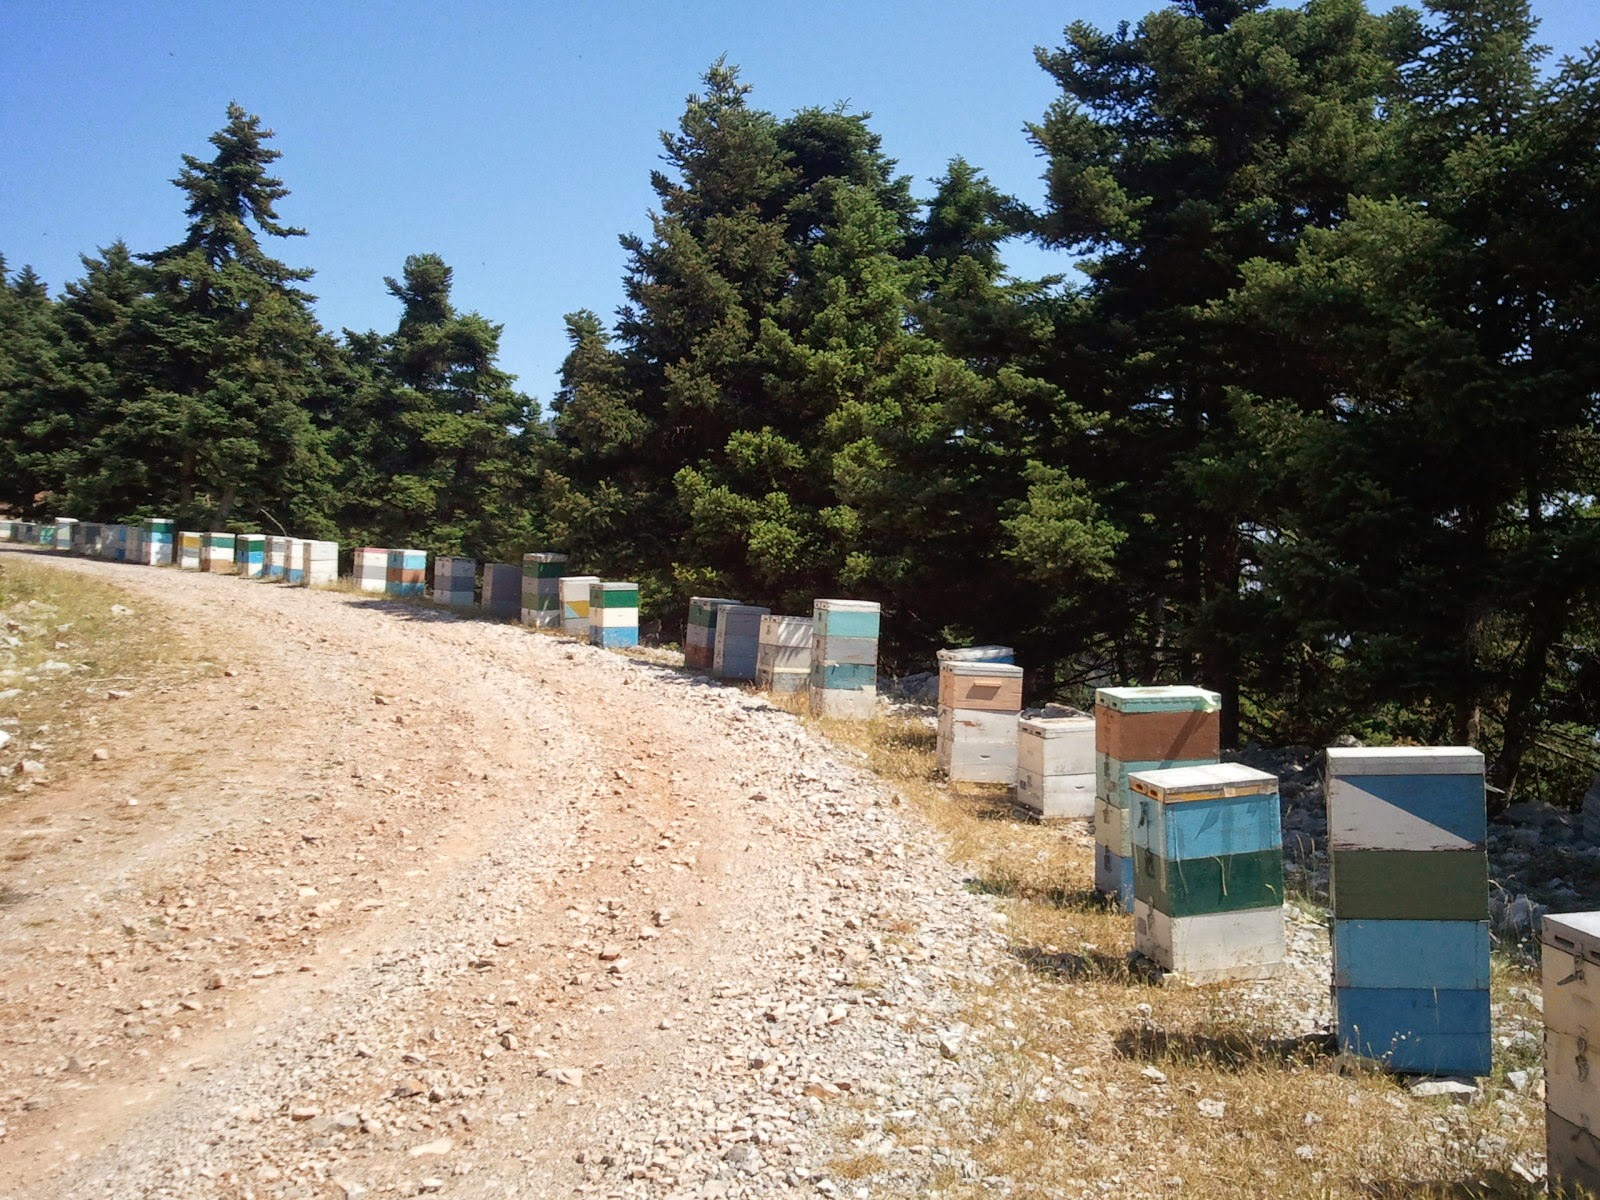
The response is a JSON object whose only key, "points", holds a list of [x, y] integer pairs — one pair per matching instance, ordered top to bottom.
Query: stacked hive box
{"points": [[65, 528], [8, 531], [45, 534], [88, 538], [127, 543], [156, 545], [189, 550], [216, 553], [250, 554], [319, 563], [277, 566], [294, 568], [371, 568], [406, 573], [455, 581], [541, 589], [502, 591], [573, 593], [614, 614], [700, 634], [738, 641], [978, 654], [783, 657], [844, 658], [979, 704], [1142, 729], [1055, 766], [1208, 871], [1409, 889], [1571, 971]]}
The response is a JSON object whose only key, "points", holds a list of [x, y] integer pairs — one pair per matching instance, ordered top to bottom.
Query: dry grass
{"points": [[58, 616], [1071, 1103]]}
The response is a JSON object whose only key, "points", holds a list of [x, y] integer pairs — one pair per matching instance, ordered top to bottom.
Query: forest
{"points": [[1309, 414]]}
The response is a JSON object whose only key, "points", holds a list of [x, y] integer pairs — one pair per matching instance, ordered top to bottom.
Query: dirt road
{"points": [[385, 901]]}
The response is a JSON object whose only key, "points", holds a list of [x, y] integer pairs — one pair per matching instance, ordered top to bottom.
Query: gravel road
{"points": [[384, 901]]}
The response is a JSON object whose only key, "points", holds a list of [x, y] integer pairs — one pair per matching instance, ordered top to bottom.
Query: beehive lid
{"points": [[849, 605], [977, 654], [987, 669], [1170, 698], [1055, 727], [1405, 760], [1213, 781], [1576, 933]]}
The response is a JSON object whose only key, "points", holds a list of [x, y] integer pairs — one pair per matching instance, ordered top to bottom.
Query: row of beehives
{"points": [[1192, 845]]}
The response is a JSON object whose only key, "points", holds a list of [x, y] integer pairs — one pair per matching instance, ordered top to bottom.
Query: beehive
{"points": [[8, 530], [65, 530], [44, 534], [88, 539], [155, 548], [189, 550], [216, 553], [250, 554], [277, 562], [319, 563], [294, 567], [371, 568], [406, 573], [455, 581], [541, 589], [502, 591], [573, 593], [614, 614], [700, 633], [738, 641], [976, 654], [783, 655], [844, 658], [979, 703], [1142, 729], [1055, 766], [1208, 871], [1409, 893], [1570, 969]]}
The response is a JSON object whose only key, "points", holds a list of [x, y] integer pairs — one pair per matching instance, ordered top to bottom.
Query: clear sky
{"points": [[514, 139]]}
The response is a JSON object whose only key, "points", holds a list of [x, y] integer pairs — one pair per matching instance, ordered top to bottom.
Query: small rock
{"points": [[100, 754], [32, 766], [610, 952], [1154, 1075], [568, 1076], [1455, 1090], [1215, 1109], [304, 1113], [433, 1149]]}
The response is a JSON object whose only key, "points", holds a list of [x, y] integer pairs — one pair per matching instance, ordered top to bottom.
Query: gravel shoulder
{"points": [[413, 904]]}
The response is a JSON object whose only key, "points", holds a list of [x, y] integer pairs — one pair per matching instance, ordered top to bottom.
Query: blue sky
{"points": [[514, 139]]}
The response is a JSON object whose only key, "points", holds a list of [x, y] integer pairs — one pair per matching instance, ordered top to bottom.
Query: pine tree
{"points": [[1209, 135], [235, 347], [37, 440], [435, 443]]}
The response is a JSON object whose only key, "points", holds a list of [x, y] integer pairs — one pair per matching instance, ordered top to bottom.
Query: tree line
{"points": [[1309, 415]]}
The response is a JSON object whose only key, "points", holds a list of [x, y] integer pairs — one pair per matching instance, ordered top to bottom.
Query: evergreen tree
{"points": [[1209, 135], [235, 349], [36, 438], [434, 441]]}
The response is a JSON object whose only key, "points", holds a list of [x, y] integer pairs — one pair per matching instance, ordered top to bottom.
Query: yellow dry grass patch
{"points": [[60, 616], [1098, 1074]]}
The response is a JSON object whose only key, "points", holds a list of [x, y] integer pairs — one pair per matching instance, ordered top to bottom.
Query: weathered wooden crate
{"points": [[319, 562], [371, 567], [405, 573], [455, 581], [503, 585], [541, 588], [573, 592], [614, 615], [700, 631], [738, 641], [783, 657], [977, 732], [1055, 766], [1407, 836], [1570, 971]]}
